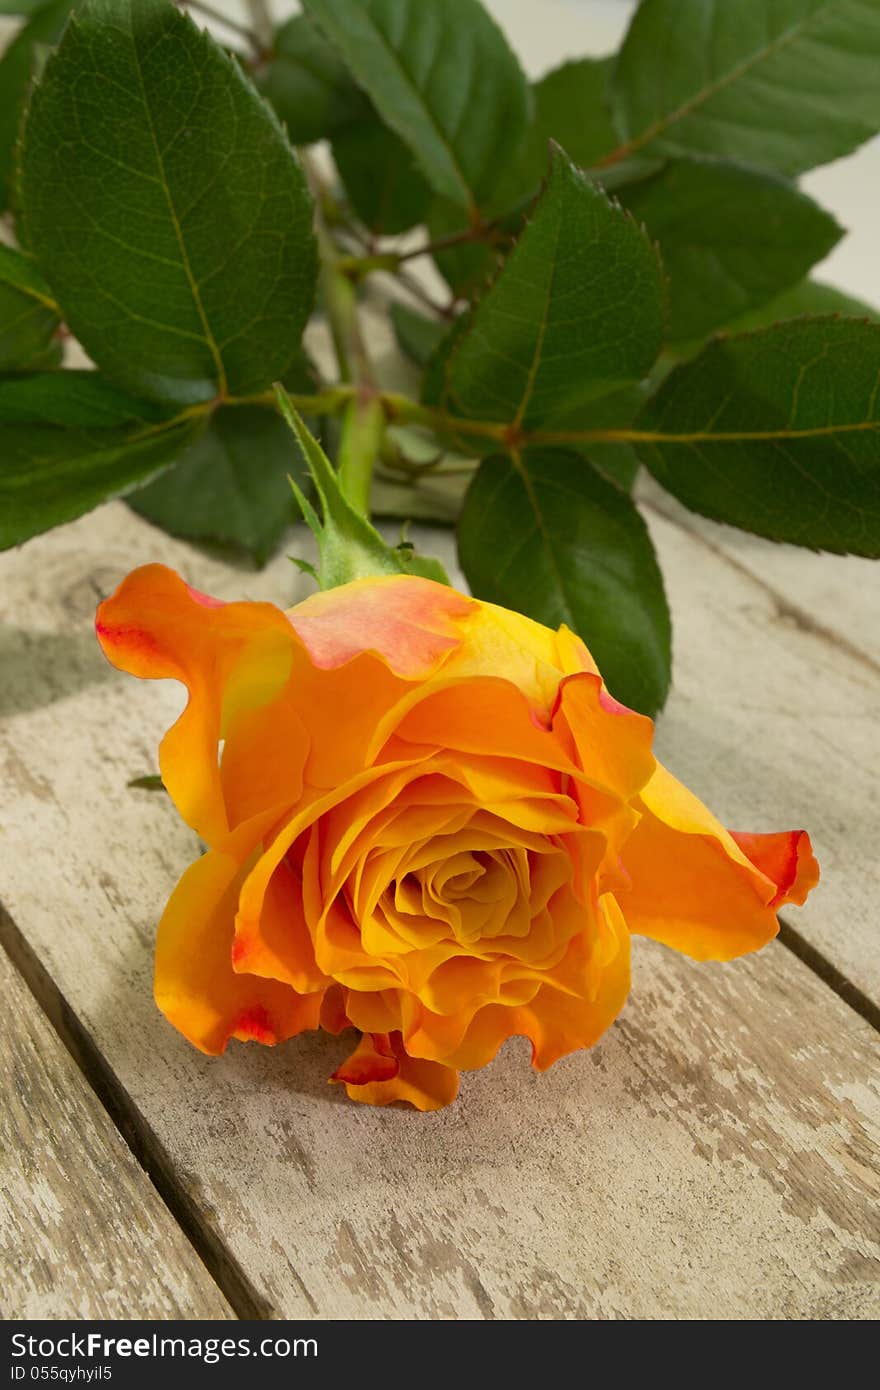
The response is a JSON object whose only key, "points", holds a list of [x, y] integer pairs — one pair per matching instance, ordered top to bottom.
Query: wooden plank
{"points": [[836, 595], [773, 721], [715, 1156], [83, 1234]]}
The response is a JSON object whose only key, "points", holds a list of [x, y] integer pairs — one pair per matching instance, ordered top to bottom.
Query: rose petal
{"points": [[412, 623], [233, 657], [532, 657], [341, 709], [486, 715], [612, 744], [264, 758], [786, 858], [692, 886], [277, 945], [196, 987], [578, 1002], [372, 1060], [424, 1085]]}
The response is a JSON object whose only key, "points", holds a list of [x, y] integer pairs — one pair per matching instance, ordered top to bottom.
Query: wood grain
{"points": [[836, 595], [774, 718], [715, 1156], [82, 1232]]}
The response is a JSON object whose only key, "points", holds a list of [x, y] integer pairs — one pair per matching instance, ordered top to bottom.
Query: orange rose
{"points": [[428, 821]]}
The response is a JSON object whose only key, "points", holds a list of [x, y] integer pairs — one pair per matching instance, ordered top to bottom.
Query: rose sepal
{"points": [[349, 546]]}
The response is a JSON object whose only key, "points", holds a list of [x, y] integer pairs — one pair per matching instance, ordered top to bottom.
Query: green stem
{"points": [[480, 232], [358, 266], [340, 301], [330, 402], [401, 410], [404, 411], [363, 416], [363, 430]]}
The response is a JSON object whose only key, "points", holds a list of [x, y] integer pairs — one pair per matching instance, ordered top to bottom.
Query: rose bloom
{"points": [[426, 819]]}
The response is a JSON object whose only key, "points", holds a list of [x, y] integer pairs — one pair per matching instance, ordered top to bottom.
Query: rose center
{"points": [[467, 897]]}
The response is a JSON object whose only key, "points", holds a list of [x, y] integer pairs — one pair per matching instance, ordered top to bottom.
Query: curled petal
{"points": [[233, 658], [341, 709], [612, 744], [787, 859], [257, 883], [692, 885], [277, 944], [196, 986], [333, 1016], [372, 1060], [424, 1085]]}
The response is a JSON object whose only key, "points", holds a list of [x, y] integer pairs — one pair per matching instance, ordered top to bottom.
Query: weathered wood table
{"points": [[715, 1156]]}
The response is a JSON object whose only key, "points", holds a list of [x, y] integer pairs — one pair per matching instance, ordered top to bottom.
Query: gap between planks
{"points": [[654, 501], [820, 965], [130, 1124]]}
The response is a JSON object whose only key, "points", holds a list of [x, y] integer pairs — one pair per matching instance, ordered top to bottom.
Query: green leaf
{"points": [[21, 8], [17, 68], [443, 77], [780, 84], [308, 85], [571, 108], [377, 169], [165, 207], [730, 239], [468, 267], [22, 272], [808, 297], [576, 312], [28, 318], [26, 329], [417, 336], [47, 360], [435, 380], [435, 387], [78, 398], [777, 432], [619, 462], [50, 475], [232, 485], [552, 538], [349, 547], [426, 566], [152, 782]]}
